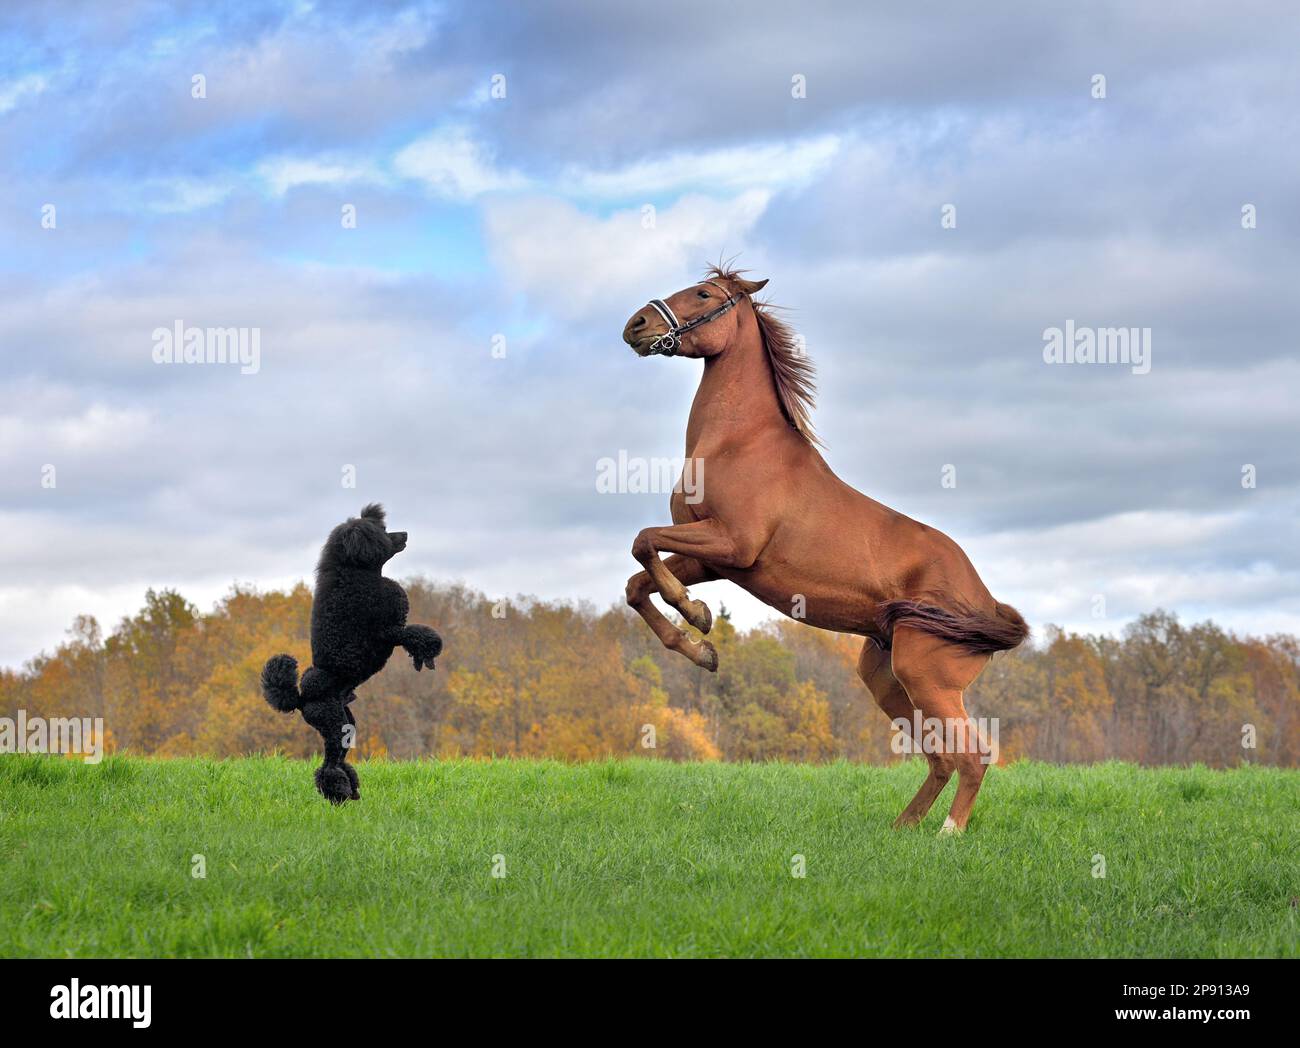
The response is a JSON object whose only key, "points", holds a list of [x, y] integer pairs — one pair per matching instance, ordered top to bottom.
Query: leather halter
{"points": [[668, 342]]}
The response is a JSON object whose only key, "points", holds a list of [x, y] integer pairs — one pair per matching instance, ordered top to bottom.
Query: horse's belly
{"points": [[828, 608]]}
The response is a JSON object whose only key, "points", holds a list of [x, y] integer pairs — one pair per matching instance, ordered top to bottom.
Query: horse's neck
{"points": [[737, 394]]}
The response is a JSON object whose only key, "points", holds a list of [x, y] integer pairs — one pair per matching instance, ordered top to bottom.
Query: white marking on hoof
{"points": [[949, 826]]}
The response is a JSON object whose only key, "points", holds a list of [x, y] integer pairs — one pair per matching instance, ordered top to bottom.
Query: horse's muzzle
{"points": [[645, 342]]}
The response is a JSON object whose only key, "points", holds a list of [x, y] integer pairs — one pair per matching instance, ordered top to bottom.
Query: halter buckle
{"points": [[668, 342]]}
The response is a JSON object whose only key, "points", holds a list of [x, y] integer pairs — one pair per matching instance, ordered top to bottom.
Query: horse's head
{"points": [[698, 321]]}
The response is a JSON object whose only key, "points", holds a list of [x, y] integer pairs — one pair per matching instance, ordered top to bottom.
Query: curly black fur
{"points": [[357, 618]]}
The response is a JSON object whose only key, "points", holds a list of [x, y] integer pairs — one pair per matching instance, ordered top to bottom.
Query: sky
{"points": [[436, 218]]}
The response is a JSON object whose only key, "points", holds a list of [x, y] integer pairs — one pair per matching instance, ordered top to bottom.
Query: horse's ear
{"points": [[749, 287]]}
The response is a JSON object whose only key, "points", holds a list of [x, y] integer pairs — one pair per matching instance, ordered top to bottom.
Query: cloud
{"points": [[13, 92], [449, 163], [453, 164], [772, 165], [282, 174], [183, 195], [570, 261], [1100, 575]]}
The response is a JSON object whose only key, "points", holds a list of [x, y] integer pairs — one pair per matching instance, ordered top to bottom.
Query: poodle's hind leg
{"points": [[324, 708], [348, 770], [333, 782], [353, 782]]}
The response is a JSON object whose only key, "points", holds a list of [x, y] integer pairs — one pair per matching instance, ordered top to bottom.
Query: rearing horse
{"points": [[772, 518]]}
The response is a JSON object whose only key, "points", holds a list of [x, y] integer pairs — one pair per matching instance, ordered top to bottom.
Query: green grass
{"points": [[640, 858]]}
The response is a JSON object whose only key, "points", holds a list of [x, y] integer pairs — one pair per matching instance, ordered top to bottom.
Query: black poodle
{"points": [[357, 618]]}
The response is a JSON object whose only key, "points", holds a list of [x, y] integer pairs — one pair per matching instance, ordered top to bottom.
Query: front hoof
{"points": [[697, 613], [700, 652], [706, 656], [334, 784]]}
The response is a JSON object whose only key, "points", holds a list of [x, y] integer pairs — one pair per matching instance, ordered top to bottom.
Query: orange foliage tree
{"points": [[529, 678]]}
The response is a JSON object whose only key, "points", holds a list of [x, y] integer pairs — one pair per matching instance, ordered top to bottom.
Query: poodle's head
{"points": [[362, 542]]}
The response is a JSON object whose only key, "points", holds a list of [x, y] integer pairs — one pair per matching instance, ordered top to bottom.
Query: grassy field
{"points": [[640, 858]]}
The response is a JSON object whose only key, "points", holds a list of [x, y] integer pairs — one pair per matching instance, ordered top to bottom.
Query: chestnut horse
{"points": [[771, 517]]}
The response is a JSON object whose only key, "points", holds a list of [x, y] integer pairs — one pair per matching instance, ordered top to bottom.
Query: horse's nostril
{"points": [[639, 322]]}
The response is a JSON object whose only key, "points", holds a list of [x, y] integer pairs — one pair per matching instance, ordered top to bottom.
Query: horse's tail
{"points": [[977, 632], [280, 683]]}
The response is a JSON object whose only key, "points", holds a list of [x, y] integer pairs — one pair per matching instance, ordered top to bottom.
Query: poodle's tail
{"points": [[280, 683]]}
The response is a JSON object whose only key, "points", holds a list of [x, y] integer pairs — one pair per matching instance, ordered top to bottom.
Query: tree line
{"points": [[532, 678]]}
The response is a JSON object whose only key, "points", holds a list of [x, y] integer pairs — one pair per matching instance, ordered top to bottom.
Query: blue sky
{"points": [[523, 217]]}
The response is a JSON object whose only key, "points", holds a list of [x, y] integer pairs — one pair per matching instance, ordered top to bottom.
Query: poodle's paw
{"points": [[424, 646], [351, 773], [334, 784]]}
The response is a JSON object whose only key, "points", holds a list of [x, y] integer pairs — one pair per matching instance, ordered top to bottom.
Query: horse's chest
{"points": [[686, 508]]}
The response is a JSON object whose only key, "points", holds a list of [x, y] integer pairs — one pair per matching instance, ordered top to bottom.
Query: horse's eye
{"points": [[703, 294]]}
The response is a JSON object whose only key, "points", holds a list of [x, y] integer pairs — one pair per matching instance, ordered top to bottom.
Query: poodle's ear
{"points": [[373, 512], [363, 544]]}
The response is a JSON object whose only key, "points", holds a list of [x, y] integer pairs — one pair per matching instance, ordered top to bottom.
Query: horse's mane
{"points": [[795, 375]]}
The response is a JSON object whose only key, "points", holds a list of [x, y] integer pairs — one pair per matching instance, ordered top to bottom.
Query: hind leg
{"points": [[876, 673], [934, 674], [324, 708], [348, 770]]}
